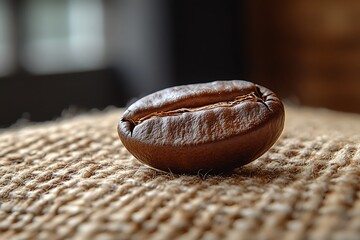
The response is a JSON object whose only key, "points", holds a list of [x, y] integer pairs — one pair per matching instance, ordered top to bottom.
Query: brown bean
{"points": [[214, 126]]}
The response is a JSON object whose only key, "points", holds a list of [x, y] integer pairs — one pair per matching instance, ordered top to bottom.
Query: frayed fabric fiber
{"points": [[73, 179]]}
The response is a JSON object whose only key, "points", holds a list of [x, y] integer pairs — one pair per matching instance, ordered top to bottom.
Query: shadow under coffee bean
{"points": [[216, 126]]}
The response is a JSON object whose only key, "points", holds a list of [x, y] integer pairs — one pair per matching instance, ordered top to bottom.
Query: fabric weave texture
{"points": [[73, 179]]}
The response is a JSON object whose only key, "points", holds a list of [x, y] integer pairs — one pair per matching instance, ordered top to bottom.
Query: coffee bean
{"points": [[216, 126]]}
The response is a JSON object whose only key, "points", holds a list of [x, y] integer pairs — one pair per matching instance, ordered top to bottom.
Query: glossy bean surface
{"points": [[216, 126]]}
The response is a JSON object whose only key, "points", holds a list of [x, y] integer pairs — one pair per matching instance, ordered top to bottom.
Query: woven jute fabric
{"points": [[73, 179]]}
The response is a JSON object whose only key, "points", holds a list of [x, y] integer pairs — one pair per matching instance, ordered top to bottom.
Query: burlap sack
{"points": [[73, 179]]}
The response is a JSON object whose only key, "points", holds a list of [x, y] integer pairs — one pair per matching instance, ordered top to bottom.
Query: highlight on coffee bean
{"points": [[210, 127]]}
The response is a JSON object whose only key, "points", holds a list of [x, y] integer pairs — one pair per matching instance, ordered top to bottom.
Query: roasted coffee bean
{"points": [[214, 126]]}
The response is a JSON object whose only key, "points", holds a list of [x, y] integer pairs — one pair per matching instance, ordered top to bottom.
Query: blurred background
{"points": [[84, 54]]}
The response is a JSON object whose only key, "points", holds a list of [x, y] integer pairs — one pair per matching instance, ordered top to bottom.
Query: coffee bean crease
{"points": [[239, 99]]}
